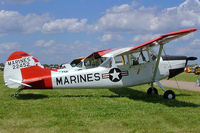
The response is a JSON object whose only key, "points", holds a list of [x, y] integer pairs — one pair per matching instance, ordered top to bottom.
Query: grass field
{"points": [[189, 77], [97, 110]]}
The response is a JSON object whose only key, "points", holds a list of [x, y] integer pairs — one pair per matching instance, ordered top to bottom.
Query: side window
{"points": [[152, 54], [145, 56], [139, 58], [125, 59], [134, 59], [118, 60], [121, 60], [87, 63], [107, 63]]}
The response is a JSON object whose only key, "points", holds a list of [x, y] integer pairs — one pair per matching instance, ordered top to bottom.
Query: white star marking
{"points": [[115, 75]]}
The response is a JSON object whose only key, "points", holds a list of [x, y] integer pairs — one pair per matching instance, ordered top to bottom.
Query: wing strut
{"points": [[157, 64], [168, 94]]}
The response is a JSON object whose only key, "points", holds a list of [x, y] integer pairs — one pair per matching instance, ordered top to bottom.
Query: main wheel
{"points": [[152, 91], [169, 94]]}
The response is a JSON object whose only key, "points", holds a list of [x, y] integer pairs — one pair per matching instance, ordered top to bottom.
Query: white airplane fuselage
{"points": [[117, 76]]}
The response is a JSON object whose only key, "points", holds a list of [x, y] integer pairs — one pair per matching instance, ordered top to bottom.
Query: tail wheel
{"points": [[152, 91], [169, 94]]}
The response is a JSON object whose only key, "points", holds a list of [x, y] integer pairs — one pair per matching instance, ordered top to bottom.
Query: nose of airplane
{"points": [[177, 64]]}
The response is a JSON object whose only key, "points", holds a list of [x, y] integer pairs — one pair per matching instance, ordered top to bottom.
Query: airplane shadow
{"points": [[121, 92], [31, 96], [42, 96], [111, 96], [142, 96]]}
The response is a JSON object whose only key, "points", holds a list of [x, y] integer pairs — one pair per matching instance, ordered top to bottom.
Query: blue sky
{"points": [[56, 31]]}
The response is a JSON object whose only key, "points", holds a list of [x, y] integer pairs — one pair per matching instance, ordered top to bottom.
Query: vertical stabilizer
{"points": [[12, 71]]}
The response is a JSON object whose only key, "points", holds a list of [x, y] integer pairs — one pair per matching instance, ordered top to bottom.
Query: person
{"points": [[198, 81]]}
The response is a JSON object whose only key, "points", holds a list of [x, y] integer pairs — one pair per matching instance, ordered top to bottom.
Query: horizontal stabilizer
{"points": [[18, 82]]}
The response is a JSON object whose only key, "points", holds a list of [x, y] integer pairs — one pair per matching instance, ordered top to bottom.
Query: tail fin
{"points": [[17, 61]]}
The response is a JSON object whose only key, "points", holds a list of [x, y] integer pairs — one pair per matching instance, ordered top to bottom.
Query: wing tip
{"points": [[189, 30]]}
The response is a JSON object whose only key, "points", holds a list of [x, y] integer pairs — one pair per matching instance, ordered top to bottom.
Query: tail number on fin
{"points": [[20, 63]]}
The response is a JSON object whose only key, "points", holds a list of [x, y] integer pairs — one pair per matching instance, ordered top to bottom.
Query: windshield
{"points": [[93, 62], [80, 65]]}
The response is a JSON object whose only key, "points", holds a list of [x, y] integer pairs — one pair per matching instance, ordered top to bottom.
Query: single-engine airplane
{"points": [[65, 67], [109, 68]]}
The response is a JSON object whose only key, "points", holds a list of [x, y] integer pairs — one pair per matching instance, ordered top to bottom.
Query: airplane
{"points": [[65, 67], [109, 68]]}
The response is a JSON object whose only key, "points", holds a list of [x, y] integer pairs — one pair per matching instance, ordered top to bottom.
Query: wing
{"points": [[163, 39], [99, 53]]}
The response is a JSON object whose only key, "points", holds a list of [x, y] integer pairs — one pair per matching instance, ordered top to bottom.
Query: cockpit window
{"points": [[152, 54], [139, 57], [121, 60], [93, 62], [107, 63], [80, 64]]}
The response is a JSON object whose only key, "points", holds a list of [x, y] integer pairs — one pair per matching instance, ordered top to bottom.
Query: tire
{"points": [[152, 91], [169, 94]]}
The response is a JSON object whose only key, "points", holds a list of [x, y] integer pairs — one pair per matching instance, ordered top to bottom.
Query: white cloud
{"points": [[21, 1], [119, 9], [184, 15], [128, 18], [13, 22], [33, 22], [65, 25], [111, 37], [143, 37], [42, 43], [196, 43], [5, 47], [191, 48], [62, 52]]}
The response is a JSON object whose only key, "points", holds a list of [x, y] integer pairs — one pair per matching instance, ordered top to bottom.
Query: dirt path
{"points": [[181, 84]]}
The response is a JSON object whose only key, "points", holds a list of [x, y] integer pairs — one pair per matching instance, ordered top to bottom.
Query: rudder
{"points": [[12, 71]]}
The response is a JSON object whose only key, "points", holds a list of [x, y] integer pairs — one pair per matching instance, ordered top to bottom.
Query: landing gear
{"points": [[152, 91], [16, 93], [169, 94]]}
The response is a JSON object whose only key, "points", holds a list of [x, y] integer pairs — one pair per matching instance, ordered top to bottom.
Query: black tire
{"points": [[152, 91], [169, 94]]}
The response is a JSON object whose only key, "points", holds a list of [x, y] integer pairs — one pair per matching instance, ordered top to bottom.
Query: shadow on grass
{"points": [[121, 92], [183, 95], [31, 96], [42, 96], [85, 96], [142, 96]]}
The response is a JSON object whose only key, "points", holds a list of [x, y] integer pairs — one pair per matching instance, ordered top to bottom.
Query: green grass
{"points": [[189, 77], [124, 110]]}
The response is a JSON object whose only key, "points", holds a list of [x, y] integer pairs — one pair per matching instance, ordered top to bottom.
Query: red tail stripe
{"points": [[17, 55], [29, 75]]}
